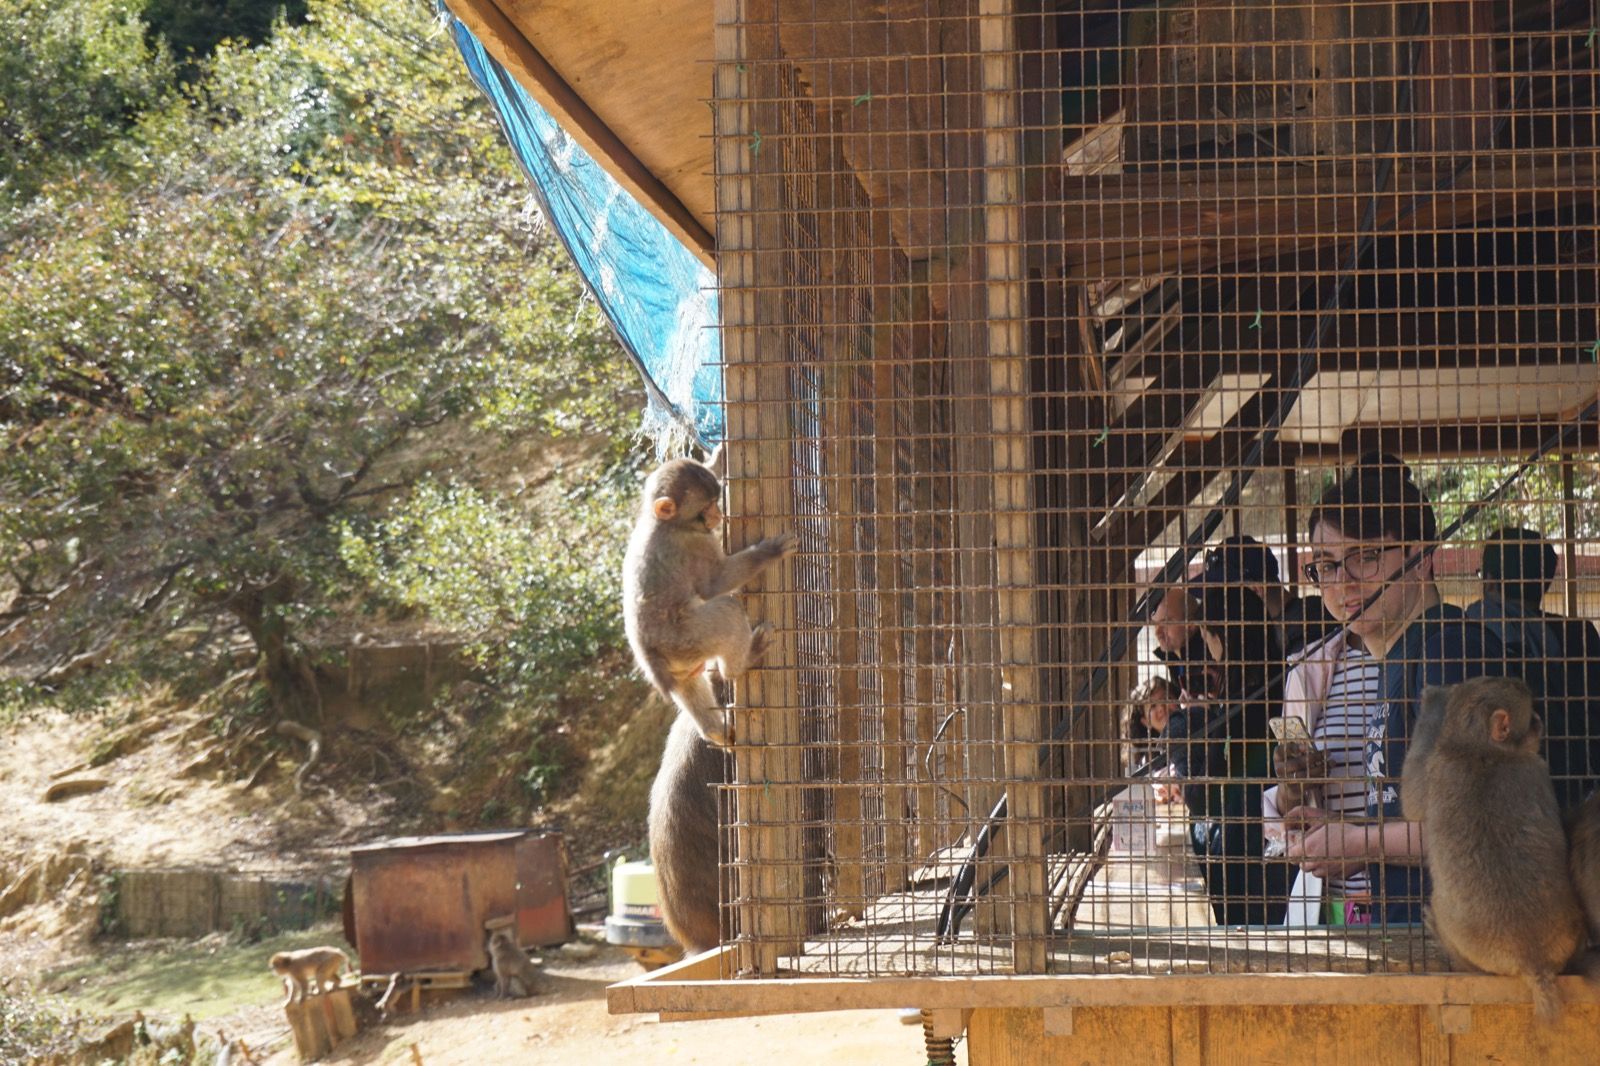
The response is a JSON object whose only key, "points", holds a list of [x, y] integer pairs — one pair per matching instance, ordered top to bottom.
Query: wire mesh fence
{"points": [[1165, 395]]}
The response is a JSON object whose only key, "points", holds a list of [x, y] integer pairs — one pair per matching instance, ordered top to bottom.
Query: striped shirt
{"points": [[1354, 698]]}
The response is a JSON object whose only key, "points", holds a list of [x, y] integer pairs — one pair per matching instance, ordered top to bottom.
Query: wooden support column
{"points": [[1291, 526], [1569, 535], [1021, 718], [768, 903]]}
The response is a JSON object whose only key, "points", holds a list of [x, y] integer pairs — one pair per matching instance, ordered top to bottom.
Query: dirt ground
{"points": [[148, 816], [568, 1025]]}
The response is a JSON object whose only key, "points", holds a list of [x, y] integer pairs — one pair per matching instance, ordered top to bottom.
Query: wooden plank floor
{"points": [[897, 937]]}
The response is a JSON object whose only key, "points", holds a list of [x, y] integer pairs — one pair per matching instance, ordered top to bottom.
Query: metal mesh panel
{"points": [[1028, 315]]}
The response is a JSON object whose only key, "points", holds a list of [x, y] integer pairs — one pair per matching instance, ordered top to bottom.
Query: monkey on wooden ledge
{"points": [[677, 593], [681, 616], [1502, 898]]}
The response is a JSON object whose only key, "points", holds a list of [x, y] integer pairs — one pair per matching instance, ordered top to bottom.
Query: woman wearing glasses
{"points": [[1357, 691]]}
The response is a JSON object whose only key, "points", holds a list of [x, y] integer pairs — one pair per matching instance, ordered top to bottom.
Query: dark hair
{"points": [[1377, 500], [1240, 559], [1520, 561], [1147, 690]]}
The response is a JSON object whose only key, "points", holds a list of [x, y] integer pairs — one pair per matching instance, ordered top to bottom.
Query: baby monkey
{"points": [[677, 593], [1502, 899], [308, 971], [515, 976]]}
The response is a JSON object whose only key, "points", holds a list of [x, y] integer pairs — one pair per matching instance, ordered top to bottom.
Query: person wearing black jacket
{"points": [[1363, 533], [1245, 561], [1559, 657], [1219, 750]]}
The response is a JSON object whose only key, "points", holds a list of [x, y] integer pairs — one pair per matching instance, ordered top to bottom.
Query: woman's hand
{"points": [[1296, 764], [1167, 786], [1329, 849]]}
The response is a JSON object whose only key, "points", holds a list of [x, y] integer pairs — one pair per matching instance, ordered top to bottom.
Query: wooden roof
{"points": [[629, 80]]}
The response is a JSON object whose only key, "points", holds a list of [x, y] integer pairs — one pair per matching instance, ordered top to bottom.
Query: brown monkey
{"points": [[677, 592], [1419, 751], [1584, 833], [683, 836], [1502, 899], [308, 971], [515, 976]]}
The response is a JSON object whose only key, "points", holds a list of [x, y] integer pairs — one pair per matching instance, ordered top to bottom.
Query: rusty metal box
{"points": [[420, 903]]}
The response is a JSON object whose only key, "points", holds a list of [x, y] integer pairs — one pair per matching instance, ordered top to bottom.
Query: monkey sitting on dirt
{"points": [[677, 589], [1502, 899], [308, 971], [515, 976]]}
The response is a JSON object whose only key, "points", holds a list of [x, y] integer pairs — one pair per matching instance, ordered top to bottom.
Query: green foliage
{"points": [[73, 76], [287, 294], [1533, 500], [538, 593], [109, 920], [206, 978], [32, 1028]]}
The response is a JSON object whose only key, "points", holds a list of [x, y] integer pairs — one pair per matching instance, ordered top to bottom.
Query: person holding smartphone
{"points": [[1358, 690]]}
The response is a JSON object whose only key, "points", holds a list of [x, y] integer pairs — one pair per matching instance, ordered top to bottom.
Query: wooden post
{"points": [[1006, 306], [1291, 527], [1569, 534], [767, 906], [319, 1023]]}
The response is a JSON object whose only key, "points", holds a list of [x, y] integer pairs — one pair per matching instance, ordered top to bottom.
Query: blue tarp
{"points": [[660, 299]]}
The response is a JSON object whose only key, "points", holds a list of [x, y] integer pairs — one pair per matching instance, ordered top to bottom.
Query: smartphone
{"points": [[1290, 730]]}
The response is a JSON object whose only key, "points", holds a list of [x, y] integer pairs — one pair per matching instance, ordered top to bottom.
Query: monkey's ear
{"points": [[666, 508], [1500, 725]]}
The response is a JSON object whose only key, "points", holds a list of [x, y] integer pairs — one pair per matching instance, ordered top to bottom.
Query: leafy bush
{"points": [[537, 595], [32, 1028]]}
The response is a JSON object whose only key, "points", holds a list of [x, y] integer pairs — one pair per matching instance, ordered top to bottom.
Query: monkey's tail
{"points": [[1546, 997]]}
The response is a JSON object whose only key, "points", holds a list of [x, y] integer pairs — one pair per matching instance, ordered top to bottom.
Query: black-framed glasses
{"points": [[1363, 565]]}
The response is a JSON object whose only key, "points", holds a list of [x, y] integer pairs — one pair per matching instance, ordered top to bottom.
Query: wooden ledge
{"points": [[681, 992]]}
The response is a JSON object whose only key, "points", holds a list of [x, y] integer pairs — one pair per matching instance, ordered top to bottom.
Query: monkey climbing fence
{"points": [[1025, 310]]}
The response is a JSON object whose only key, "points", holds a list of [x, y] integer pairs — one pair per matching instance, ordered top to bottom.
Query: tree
{"points": [[73, 76], [292, 292]]}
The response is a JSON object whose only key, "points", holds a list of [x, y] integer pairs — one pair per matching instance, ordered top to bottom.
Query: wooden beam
{"points": [[503, 40], [1156, 222], [1569, 535], [1022, 722], [768, 765], [798, 995]]}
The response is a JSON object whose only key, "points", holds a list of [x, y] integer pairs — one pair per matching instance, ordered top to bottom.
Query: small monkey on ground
{"points": [[677, 591], [683, 837], [1502, 899], [308, 971], [515, 976]]}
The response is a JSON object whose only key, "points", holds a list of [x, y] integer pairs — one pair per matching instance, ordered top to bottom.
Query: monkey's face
{"points": [[684, 493]]}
